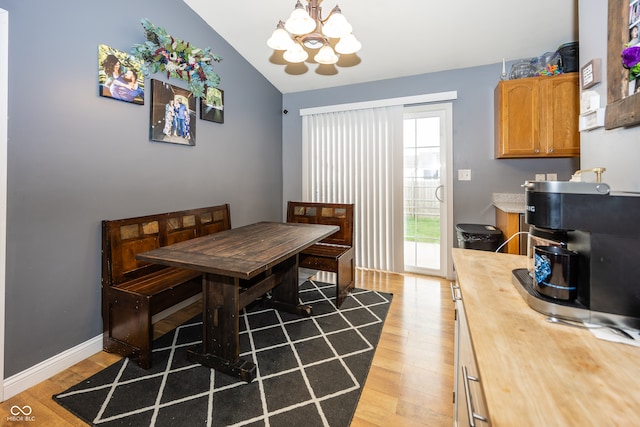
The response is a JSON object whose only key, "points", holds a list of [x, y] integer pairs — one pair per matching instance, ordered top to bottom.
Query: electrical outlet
{"points": [[464, 174], [540, 177], [552, 177]]}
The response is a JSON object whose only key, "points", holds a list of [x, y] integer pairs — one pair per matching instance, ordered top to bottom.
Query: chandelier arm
{"points": [[335, 9], [315, 11]]}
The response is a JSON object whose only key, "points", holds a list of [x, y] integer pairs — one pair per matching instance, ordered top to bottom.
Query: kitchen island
{"points": [[534, 373]]}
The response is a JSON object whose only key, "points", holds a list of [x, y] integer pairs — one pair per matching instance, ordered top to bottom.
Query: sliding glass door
{"points": [[425, 182]]}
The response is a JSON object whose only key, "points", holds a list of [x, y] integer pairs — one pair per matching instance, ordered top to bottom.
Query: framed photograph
{"points": [[623, 66], [120, 76], [212, 105], [173, 114]]}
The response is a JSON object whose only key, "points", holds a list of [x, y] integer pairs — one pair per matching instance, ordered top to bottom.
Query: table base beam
{"points": [[239, 368]]}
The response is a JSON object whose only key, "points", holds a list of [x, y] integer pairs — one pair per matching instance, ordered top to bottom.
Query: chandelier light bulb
{"points": [[300, 22], [337, 25], [280, 39], [348, 44], [295, 54], [326, 55]]}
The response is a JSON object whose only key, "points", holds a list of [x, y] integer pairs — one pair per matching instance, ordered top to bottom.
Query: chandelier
{"points": [[305, 27]]}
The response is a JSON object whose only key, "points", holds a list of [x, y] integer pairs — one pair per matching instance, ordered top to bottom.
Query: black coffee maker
{"points": [[604, 229]]}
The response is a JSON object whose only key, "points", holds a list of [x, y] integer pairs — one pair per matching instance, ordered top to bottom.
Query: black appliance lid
{"points": [[478, 229]]}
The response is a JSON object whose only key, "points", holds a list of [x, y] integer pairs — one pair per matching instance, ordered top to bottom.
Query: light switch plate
{"points": [[464, 174], [540, 177], [552, 177]]}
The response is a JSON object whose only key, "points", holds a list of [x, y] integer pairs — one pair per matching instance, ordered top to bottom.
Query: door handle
{"points": [[439, 187]]}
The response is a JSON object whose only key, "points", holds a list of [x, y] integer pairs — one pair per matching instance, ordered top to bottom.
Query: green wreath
{"points": [[162, 53]]}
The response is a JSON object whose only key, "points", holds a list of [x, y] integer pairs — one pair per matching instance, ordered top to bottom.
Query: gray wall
{"points": [[473, 136], [618, 150], [76, 158]]}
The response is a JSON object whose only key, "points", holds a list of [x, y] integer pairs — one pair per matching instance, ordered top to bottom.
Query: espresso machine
{"points": [[604, 229]]}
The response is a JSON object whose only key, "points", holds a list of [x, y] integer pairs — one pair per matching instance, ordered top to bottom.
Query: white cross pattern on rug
{"points": [[288, 351]]}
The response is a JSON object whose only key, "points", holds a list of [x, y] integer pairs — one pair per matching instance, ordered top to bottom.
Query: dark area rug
{"points": [[310, 371]]}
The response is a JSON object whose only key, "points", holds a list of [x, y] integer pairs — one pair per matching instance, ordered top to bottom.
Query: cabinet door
{"points": [[537, 117], [517, 118], [559, 118], [511, 223], [471, 409], [460, 413]]}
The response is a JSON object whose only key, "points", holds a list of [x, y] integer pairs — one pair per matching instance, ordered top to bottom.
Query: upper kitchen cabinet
{"points": [[537, 117]]}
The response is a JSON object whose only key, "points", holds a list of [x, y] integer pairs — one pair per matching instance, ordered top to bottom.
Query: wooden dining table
{"points": [[239, 266]]}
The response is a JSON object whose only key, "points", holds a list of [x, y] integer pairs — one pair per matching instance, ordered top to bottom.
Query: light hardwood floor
{"points": [[411, 378]]}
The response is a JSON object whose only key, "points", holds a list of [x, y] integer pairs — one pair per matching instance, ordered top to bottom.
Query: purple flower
{"points": [[630, 56]]}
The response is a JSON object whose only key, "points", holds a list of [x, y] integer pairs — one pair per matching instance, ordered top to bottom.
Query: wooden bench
{"points": [[336, 252], [134, 291]]}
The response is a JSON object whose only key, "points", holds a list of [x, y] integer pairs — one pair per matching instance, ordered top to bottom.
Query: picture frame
{"points": [[120, 75], [212, 105], [623, 107], [173, 112]]}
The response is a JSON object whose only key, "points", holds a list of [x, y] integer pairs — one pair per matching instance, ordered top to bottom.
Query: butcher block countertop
{"points": [[535, 373]]}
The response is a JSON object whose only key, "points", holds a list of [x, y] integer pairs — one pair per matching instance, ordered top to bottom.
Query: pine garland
{"points": [[163, 53]]}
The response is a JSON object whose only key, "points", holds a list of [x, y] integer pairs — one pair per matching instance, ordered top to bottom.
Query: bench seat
{"points": [[334, 253], [323, 257], [158, 281], [134, 291]]}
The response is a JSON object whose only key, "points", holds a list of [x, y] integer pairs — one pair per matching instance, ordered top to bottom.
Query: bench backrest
{"points": [[340, 214], [123, 239]]}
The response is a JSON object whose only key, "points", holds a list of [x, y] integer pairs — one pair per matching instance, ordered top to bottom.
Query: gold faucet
{"points": [[597, 171]]}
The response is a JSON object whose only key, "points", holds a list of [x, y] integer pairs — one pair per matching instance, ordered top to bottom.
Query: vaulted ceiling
{"points": [[399, 38]]}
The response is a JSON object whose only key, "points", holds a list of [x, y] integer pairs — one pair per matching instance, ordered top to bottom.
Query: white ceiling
{"points": [[399, 37]]}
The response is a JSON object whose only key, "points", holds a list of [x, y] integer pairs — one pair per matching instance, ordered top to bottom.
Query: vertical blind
{"points": [[356, 157]]}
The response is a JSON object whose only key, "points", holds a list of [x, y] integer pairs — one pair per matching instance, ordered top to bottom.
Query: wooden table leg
{"points": [[286, 296], [220, 348]]}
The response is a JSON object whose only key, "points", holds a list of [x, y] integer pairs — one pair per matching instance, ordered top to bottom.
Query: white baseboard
{"points": [[50, 367]]}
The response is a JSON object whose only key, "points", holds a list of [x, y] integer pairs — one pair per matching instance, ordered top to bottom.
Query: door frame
{"points": [[4, 87], [446, 169]]}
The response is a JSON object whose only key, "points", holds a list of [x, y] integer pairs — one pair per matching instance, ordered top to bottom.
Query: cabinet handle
{"points": [[536, 151], [453, 287], [472, 415]]}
